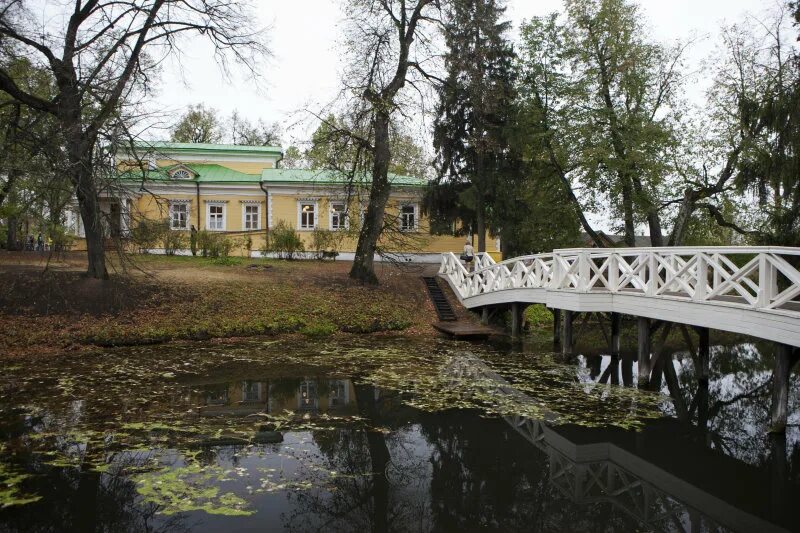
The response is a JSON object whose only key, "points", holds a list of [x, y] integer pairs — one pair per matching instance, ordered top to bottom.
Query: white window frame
{"points": [[300, 204], [172, 205], [245, 205], [415, 206], [224, 215], [345, 217]]}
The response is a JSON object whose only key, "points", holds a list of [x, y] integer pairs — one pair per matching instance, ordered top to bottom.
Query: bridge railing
{"points": [[754, 277]]}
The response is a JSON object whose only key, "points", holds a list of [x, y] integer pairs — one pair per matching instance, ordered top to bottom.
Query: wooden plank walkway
{"points": [[464, 330]]}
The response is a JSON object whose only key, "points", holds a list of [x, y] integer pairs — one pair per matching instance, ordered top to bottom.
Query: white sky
{"points": [[303, 73]]}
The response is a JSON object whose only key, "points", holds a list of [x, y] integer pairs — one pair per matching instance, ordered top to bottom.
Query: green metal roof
{"points": [[207, 148], [212, 173], [205, 174], [328, 177]]}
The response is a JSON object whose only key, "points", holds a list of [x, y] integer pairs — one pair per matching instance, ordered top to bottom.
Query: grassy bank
{"points": [[159, 299]]}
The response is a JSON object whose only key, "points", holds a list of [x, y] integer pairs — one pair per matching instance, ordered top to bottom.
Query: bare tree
{"points": [[390, 45], [102, 54]]}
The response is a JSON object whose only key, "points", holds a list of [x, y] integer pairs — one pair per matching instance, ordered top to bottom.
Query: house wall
{"points": [[283, 206]]}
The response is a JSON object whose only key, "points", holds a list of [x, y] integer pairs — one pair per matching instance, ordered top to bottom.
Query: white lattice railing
{"points": [[752, 277]]}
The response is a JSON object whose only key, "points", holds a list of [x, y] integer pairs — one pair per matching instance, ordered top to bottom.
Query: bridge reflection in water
{"points": [[651, 475]]}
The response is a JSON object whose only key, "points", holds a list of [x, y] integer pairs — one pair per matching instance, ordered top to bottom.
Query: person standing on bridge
{"points": [[468, 255]]}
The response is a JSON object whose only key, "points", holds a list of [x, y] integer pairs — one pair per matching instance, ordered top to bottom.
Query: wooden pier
{"points": [[464, 330]]}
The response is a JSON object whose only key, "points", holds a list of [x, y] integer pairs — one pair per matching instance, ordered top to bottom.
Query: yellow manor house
{"points": [[242, 192]]}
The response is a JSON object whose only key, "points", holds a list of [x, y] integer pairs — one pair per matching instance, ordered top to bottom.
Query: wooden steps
{"points": [[443, 308]]}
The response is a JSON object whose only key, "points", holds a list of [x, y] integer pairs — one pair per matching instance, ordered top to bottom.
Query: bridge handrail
{"points": [[696, 273]]}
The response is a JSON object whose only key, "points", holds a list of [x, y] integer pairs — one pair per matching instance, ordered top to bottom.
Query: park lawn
{"points": [[159, 299]]}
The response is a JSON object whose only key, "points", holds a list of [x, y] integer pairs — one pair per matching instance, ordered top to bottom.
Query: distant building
{"points": [[241, 191]]}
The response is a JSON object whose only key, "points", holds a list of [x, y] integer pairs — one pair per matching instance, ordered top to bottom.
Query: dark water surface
{"points": [[382, 434]]}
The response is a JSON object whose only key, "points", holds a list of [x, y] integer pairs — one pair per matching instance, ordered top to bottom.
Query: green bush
{"points": [[148, 233], [62, 239], [324, 240], [173, 241], [284, 241], [213, 244], [538, 316]]}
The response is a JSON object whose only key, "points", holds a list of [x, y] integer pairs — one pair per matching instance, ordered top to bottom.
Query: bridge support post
{"points": [[485, 316], [517, 319], [556, 326], [616, 326], [566, 343], [643, 351], [703, 354], [785, 358]]}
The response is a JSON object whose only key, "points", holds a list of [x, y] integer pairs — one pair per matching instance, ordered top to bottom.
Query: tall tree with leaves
{"points": [[96, 52], [475, 104], [608, 104], [199, 124]]}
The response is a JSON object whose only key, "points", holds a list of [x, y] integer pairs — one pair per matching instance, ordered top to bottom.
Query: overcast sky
{"points": [[303, 72]]}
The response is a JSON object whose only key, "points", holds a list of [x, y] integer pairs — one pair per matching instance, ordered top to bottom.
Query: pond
{"points": [[389, 434]]}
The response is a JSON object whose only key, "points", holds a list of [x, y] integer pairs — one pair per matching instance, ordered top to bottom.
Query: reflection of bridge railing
{"points": [[745, 288], [604, 472]]}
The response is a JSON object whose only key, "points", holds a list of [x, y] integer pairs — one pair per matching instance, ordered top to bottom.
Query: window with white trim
{"points": [[179, 215], [308, 215], [251, 216], [215, 217], [408, 217], [338, 220]]}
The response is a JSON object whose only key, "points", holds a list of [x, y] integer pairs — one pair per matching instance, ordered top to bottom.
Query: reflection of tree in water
{"points": [[732, 415], [486, 476], [370, 490], [81, 499]]}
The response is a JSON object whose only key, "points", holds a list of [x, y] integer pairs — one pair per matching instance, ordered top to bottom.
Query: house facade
{"points": [[243, 193]]}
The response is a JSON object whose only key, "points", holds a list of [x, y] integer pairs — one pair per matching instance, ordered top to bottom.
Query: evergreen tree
{"points": [[476, 101]]}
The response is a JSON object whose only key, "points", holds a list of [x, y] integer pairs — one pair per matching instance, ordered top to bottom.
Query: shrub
{"points": [[148, 233], [62, 239], [323, 240], [173, 241], [284, 241], [213, 244], [538, 315]]}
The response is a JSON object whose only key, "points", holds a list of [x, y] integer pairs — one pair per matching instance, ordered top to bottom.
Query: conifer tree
{"points": [[475, 103]]}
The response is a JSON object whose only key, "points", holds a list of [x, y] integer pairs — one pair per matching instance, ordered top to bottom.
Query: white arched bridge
{"points": [[749, 290]]}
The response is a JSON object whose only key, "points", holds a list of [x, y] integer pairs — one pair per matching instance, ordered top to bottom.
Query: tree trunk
{"points": [[86, 191], [627, 207], [480, 220], [653, 220], [682, 220], [11, 236], [364, 261]]}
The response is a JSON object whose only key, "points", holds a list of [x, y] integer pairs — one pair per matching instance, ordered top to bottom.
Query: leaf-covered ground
{"points": [[160, 299]]}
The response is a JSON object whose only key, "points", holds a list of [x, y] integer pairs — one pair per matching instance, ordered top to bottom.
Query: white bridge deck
{"points": [[749, 290]]}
